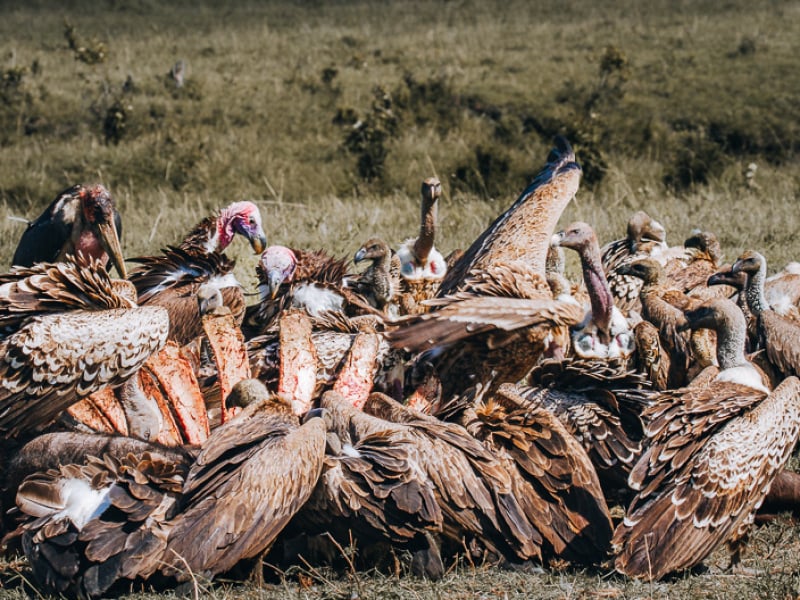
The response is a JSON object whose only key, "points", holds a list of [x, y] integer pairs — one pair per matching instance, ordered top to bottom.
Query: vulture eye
{"points": [[252, 220]]}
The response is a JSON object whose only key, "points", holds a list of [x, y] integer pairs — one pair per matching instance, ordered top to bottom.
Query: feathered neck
{"points": [[754, 289]]}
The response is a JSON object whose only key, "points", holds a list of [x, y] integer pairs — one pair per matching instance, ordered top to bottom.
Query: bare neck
{"points": [[427, 229], [597, 285], [730, 341]]}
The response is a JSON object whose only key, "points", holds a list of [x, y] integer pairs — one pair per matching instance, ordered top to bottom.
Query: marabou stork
{"points": [[81, 220]]}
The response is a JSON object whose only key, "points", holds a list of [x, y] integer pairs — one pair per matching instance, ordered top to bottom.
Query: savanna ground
{"points": [[329, 114]]}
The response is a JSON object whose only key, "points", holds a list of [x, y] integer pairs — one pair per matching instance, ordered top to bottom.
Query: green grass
{"points": [[666, 106]]}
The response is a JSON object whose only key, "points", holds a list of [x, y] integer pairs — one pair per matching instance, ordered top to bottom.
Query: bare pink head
{"points": [[243, 218], [278, 264]]}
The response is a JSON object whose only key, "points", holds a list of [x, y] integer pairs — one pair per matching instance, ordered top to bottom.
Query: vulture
{"points": [[81, 221], [216, 232], [523, 232], [645, 237], [422, 266], [690, 273], [173, 278], [313, 281], [379, 284], [663, 306], [68, 330], [604, 331], [491, 332], [779, 336], [599, 402], [711, 454], [250, 478], [553, 479], [374, 484], [473, 486], [113, 520], [99, 523]]}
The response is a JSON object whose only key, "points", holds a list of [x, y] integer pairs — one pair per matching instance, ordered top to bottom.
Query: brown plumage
{"points": [[523, 232], [645, 237], [703, 255], [173, 280], [313, 281], [380, 282], [663, 306], [604, 331], [492, 332], [68, 333], [778, 335], [651, 358], [600, 403], [712, 453], [251, 476], [552, 477], [702, 483], [373, 485], [477, 493], [99, 523]]}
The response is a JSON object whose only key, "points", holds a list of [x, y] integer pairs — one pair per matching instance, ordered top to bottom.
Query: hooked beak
{"points": [[557, 238], [258, 241], [110, 242], [359, 256], [736, 268], [274, 281]]}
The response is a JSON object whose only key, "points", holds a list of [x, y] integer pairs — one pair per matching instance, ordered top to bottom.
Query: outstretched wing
{"points": [[58, 359]]}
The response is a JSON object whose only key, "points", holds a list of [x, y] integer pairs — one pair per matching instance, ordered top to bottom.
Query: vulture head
{"points": [[431, 190], [101, 216], [242, 218], [643, 228], [578, 236], [372, 249], [750, 262], [277, 266], [646, 269], [735, 280], [209, 300]]}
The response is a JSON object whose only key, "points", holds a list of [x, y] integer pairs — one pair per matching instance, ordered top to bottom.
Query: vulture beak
{"points": [[556, 239], [258, 241], [110, 242], [359, 256], [736, 268], [274, 281]]}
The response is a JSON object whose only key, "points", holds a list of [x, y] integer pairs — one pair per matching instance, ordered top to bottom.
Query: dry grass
{"points": [[666, 105]]}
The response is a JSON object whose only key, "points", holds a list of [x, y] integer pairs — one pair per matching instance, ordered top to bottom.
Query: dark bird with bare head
{"points": [[82, 220], [172, 279]]}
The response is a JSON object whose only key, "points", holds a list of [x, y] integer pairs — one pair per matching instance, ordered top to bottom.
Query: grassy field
{"points": [[329, 115]]}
